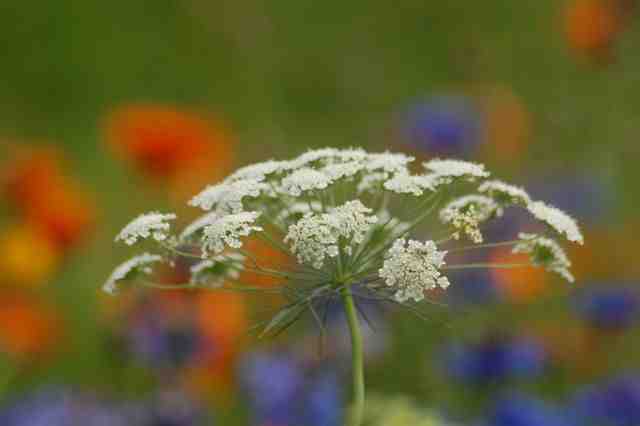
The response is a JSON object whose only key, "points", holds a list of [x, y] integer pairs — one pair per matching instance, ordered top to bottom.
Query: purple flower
{"points": [[444, 125], [609, 308], [163, 340], [497, 359], [281, 391], [616, 403], [60, 407], [524, 411]]}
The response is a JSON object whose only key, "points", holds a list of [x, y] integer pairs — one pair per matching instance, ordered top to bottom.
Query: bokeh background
{"points": [[109, 109]]}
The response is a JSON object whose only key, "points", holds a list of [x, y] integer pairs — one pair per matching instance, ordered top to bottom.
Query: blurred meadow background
{"points": [[110, 109]]}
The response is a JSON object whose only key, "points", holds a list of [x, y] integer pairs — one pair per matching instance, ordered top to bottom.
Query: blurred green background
{"points": [[287, 76]]}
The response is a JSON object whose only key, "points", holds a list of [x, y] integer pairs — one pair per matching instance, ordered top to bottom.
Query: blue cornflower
{"points": [[444, 125], [609, 308], [495, 360], [283, 392], [616, 403], [60, 407], [524, 411]]}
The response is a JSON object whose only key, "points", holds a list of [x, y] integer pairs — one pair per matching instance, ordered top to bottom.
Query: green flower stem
{"points": [[357, 361]]}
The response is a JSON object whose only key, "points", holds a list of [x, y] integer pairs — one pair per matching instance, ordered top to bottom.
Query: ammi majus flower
{"points": [[347, 219]]}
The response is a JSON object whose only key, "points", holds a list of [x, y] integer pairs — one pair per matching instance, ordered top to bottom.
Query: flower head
{"points": [[444, 125], [164, 141], [456, 169], [305, 179], [403, 183], [504, 193], [227, 197], [467, 213], [341, 218], [561, 222], [147, 225], [227, 231], [317, 236], [546, 253], [137, 264], [412, 267], [215, 272]]}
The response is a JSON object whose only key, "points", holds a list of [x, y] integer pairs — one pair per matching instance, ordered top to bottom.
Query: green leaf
{"points": [[283, 317]]}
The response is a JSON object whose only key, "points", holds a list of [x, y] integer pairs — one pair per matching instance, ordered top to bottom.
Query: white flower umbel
{"points": [[388, 162], [454, 169], [343, 170], [259, 171], [303, 180], [403, 183], [504, 193], [227, 197], [467, 213], [313, 221], [561, 222], [147, 225], [192, 229], [227, 231], [317, 236], [546, 253], [411, 268], [125, 271], [215, 272]]}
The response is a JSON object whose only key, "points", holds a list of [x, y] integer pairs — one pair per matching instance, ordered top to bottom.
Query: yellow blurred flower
{"points": [[27, 257]]}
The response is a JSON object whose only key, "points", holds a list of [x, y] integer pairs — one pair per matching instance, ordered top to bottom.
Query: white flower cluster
{"points": [[456, 169], [259, 171], [303, 180], [403, 183], [504, 193], [227, 197], [306, 200], [466, 213], [558, 220], [147, 225], [198, 225], [227, 231], [317, 236], [546, 253], [138, 263], [412, 268], [215, 272]]}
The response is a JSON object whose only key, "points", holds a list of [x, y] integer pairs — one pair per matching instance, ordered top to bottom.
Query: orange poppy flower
{"points": [[591, 27], [508, 127], [164, 142], [30, 174], [37, 186], [65, 214], [27, 258], [518, 285], [222, 318], [27, 327]]}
